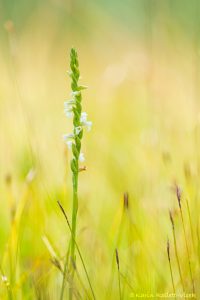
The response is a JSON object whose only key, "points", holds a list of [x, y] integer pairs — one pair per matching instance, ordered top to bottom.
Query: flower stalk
{"points": [[73, 108], [76, 145]]}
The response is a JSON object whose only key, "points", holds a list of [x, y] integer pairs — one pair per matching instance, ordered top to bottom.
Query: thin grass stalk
{"points": [[178, 195], [190, 221], [118, 240], [187, 249], [78, 250], [176, 251], [56, 262], [170, 266], [118, 271], [64, 272], [64, 277], [127, 282], [82, 284]]}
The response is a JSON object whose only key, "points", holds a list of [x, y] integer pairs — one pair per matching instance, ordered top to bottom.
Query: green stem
{"points": [[74, 214], [74, 222]]}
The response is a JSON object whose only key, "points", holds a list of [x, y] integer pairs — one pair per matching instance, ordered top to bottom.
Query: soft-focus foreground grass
{"points": [[142, 99]]}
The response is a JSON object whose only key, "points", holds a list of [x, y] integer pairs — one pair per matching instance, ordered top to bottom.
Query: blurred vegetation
{"points": [[140, 59]]}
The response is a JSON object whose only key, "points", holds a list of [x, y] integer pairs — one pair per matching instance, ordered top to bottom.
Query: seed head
{"points": [[8, 179], [178, 194], [126, 200], [171, 219], [168, 249], [117, 258], [56, 263]]}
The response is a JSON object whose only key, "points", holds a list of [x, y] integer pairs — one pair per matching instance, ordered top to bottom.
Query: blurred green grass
{"points": [[140, 61]]}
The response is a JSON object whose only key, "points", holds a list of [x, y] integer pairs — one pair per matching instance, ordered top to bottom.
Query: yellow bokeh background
{"points": [[140, 61]]}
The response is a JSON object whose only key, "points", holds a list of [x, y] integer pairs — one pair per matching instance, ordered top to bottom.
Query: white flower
{"points": [[69, 73], [75, 93], [69, 103], [68, 107], [68, 111], [68, 114], [83, 117], [84, 121], [88, 125], [78, 130], [68, 136], [69, 144], [81, 157], [4, 278]]}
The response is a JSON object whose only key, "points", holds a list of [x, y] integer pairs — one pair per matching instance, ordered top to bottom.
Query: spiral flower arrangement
{"points": [[73, 109]]}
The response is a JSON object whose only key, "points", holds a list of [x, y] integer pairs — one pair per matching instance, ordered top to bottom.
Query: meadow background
{"points": [[140, 60]]}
